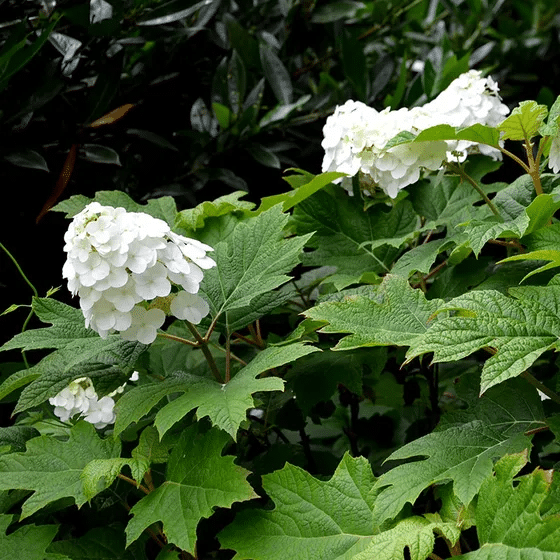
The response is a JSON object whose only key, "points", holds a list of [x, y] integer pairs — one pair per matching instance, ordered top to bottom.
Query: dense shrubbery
{"points": [[265, 428]]}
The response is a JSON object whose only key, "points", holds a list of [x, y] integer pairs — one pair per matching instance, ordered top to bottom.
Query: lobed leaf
{"points": [[524, 121], [397, 316], [519, 329], [461, 451], [52, 468], [198, 479], [508, 518], [331, 520]]}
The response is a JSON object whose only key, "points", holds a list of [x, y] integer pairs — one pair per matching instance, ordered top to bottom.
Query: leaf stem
{"points": [[514, 158], [533, 167], [461, 172], [35, 292], [211, 328], [178, 339], [203, 345], [542, 388], [134, 483]]}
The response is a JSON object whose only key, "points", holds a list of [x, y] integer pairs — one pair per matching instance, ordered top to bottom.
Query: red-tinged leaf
{"points": [[112, 116], [61, 183]]}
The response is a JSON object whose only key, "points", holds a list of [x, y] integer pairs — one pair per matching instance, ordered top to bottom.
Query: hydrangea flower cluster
{"points": [[356, 136], [122, 264], [80, 398]]}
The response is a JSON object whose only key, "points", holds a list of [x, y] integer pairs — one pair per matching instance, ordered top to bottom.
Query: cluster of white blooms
{"points": [[469, 99], [356, 136], [118, 260], [80, 398]]}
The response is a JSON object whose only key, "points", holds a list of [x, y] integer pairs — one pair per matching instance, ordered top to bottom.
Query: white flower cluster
{"points": [[356, 136], [118, 260], [80, 398]]}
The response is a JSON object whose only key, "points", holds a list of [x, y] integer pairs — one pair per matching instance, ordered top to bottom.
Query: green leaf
{"points": [[21, 54], [276, 74], [223, 114], [524, 121], [551, 126], [475, 133], [99, 154], [28, 158], [310, 185], [449, 201], [163, 208], [522, 214], [195, 218], [357, 242], [550, 255], [420, 258], [254, 260], [397, 316], [68, 327], [519, 328], [81, 352], [225, 404], [15, 437], [461, 451], [52, 468], [99, 474], [192, 489], [508, 518], [330, 520], [415, 533], [29, 541], [100, 543]]}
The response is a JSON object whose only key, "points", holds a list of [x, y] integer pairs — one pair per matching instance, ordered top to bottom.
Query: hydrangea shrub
{"points": [[363, 367]]}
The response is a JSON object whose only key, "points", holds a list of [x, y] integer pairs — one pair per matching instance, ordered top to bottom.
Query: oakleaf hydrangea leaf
{"points": [[524, 121], [163, 207], [192, 219], [354, 241], [550, 255], [254, 259], [399, 315], [519, 329], [225, 404], [462, 451], [52, 468], [198, 479], [508, 518], [330, 520], [416, 533], [29, 541]]}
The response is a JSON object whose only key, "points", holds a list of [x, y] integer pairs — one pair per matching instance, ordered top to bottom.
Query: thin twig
{"points": [[514, 158], [461, 172], [178, 339], [203, 345], [134, 483]]}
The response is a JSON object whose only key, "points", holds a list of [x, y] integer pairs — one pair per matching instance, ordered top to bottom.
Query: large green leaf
{"points": [[523, 122], [163, 207], [195, 218], [355, 241], [253, 260], [397, 316], [518, 329], [225, 404], [463, 449], [52, 468], [198, 479], [508, 515], [312, 519], [415, 533], [29, 541]]}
